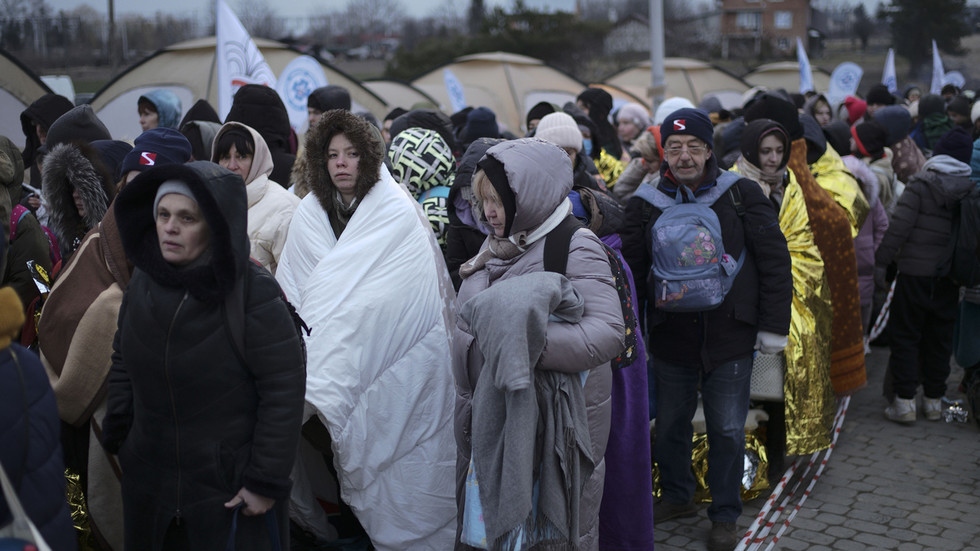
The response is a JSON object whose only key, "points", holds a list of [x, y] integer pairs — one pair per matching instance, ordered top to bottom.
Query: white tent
{"points": [[188, 69], [786, 75], [687, 78], [508, 84], [19, 87], [398, 94]]}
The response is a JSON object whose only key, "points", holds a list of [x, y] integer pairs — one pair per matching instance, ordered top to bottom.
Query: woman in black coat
{"points": [[205, 417]]}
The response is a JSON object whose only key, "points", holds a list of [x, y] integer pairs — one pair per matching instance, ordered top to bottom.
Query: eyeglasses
{"points": [[676, 149]]}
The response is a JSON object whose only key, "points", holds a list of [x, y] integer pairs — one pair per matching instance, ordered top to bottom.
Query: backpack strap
{"points": [[16, 215], [556, 245], [234, 306]]}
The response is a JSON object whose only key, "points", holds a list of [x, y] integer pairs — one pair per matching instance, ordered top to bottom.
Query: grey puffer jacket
{"points": [[541, 178], [919, 231]]}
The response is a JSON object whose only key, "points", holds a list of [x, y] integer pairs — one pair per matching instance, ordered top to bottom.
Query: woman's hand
{"points": [[254, 503]]}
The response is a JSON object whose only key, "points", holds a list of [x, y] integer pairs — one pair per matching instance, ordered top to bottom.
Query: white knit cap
{"points": [[669, 106], [635, 113], [561, 130]]}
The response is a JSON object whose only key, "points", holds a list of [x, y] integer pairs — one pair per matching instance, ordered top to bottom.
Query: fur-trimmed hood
{"points": [[365, 139], [261, 156], [70, 167], [220, 194]]}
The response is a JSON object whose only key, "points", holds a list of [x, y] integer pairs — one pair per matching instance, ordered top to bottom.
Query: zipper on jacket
{"points": [[173, 403]]}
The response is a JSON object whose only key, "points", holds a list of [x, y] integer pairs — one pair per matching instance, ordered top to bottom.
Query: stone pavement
{"points": [[885, 486]]}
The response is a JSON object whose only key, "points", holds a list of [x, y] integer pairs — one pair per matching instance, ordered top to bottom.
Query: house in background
{"points": [[755, 27]]}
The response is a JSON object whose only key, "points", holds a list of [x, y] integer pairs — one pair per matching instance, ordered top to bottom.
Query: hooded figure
{"points": [[329, 97], [597, 103], [165, 104], [261, 108], [425, 118], [37, 119], [933, 122], [199, 126], [907, 158], [423, 162], [603, 163], [531, 180], [77, 190], [270, 206], [467, 231], [26, 240], [923, 312], [379, 351], [805, 420], [198, 423]]}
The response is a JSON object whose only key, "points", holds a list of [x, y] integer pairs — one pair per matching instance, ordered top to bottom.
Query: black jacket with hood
{"points": [[261, 108], [191, 424]]}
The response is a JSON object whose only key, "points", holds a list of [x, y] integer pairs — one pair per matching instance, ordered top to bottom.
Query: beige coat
{"points": [[270, 206]]}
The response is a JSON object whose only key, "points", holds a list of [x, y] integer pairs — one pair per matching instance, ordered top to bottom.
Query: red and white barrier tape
{"points": [[768, 516]]}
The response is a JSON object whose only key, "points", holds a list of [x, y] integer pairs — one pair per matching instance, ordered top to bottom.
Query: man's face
{"points": [[686, 157]]}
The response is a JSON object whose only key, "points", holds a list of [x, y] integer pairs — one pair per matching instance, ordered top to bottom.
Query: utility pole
{"points": [[111, 42], [658, 84]]}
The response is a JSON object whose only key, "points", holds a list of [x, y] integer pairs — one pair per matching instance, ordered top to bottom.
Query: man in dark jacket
{"points": [[923, 311], [711, 350]]}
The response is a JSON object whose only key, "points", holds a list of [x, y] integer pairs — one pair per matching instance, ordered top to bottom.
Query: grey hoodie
{"points": [[920, 228]]}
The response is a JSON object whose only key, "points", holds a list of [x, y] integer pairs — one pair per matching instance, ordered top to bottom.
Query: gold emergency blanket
{"points": [[834, 208], [809, 395], [754, 480], [79, 511]]}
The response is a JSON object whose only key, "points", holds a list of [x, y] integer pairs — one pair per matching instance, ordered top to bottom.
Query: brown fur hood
{"points": [[362, 135], [69, 167]]}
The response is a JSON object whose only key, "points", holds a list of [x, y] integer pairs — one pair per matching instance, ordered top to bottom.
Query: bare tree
{"points": [[260, 19]]}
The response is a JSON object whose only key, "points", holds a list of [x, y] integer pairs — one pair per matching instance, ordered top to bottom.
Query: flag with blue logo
{"points": [[888, 77]]}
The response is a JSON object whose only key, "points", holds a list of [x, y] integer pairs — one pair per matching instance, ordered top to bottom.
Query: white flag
{"points": [[238, 58], [806, 73], [938, 73], [888, 75], [844, 81], [296, 82], [457, 98]]}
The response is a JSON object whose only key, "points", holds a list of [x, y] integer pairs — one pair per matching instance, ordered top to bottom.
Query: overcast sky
{"points": [[292, 8], [300, 8]]}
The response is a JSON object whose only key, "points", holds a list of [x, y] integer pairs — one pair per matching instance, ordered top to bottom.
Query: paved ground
{"points": [[886, 486]]}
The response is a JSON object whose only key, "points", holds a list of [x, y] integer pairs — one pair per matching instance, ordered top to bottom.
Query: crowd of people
{"points": [[234, 336]]}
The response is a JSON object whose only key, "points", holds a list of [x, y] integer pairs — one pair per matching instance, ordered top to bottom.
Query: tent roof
{"points": [[188, 69], [786, 75], [687, 78], [508, 84], [19, 87], [398, 94]]}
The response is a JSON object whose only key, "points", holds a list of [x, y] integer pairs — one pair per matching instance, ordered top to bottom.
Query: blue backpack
{"points": [[691, 272]]}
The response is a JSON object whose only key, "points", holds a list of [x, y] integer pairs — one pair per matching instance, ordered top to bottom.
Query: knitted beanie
{"points": [[879, 95], [329, 97], [959, 105], [669, 106], [770, 106], [855, 109], [539, 111], [635, 113], [688, 121], [561, 130], [870, 137], [956, 143], [155, 147], [171, 186]]}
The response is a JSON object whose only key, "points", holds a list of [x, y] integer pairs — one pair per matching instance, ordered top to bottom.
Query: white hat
{"points": [[669, 106], [975, 112], [635, 113], [561, 130]]}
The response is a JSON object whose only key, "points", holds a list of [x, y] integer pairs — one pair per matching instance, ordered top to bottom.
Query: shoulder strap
{"points": [[736, 195], [16, 215], [556, 245], [234, 306]]}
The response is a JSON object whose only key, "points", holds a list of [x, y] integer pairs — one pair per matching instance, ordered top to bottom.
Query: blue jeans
{"points": [[725, 394]]}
